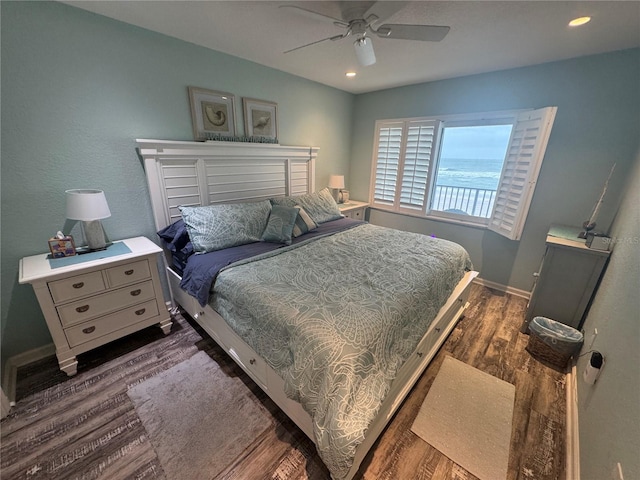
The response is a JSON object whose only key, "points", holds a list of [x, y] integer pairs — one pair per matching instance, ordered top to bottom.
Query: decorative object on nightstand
{"points": [[336, 182], [90, 207], [353, 209], [591, 223], [62, 246], [93, 299]]}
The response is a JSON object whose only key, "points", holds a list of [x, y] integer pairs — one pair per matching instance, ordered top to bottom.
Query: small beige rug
{"points": [[467, 416], [198, 419]]}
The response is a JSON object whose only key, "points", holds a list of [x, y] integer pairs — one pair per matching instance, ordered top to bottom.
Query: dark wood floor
{"points": [[86, 427]]}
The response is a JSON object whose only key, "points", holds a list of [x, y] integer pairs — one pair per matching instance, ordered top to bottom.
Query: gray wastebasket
{"points": [[553, 342]]}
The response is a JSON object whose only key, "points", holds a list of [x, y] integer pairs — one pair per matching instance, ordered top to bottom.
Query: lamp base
{"points": [[94, 233]]}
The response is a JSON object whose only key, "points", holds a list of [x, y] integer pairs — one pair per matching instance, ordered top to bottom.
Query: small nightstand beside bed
{"points": [[337, 326]]}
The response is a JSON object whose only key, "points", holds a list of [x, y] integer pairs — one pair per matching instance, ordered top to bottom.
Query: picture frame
{"points": [[212, 113], [260, 118]]}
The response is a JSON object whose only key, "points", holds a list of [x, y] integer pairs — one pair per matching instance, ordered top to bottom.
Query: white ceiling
{"points": [[485, 35]]}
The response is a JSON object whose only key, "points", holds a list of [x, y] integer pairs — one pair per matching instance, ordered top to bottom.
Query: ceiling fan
{"points": [[362, 19]]}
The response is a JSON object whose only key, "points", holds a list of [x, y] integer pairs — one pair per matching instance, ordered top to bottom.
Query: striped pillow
{"points": [[304, 223]]}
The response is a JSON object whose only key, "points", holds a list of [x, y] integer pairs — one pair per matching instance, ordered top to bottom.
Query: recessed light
{"points": [[576, 22], [350, 74]]}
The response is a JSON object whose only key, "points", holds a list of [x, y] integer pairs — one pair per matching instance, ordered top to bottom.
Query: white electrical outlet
{"points": [[617, 472]]}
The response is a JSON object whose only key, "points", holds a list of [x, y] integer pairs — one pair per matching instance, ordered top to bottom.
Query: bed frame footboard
{"points": [[273, 385]]}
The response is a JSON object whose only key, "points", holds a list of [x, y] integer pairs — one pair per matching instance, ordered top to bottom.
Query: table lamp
{"points": [[336, 182], [89, 206]]}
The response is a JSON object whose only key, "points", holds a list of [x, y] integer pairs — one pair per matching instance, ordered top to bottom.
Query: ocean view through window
{"points": [[468, 169], [477, 169]]}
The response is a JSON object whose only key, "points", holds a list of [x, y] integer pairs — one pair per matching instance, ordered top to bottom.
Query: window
{"points": [[479, 169], [468, 171]]}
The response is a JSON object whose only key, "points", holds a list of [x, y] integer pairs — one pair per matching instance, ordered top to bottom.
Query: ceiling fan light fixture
{"points": [[364, 51]]}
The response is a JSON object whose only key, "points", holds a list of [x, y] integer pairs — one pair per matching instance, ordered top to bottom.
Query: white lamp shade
{"points": [[364, 51], [336, 181], [87, 205]]}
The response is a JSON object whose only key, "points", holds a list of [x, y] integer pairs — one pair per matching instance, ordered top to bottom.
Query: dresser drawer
{"points": [[129, 273], [76, 287], [82, 310], [99, 327]]}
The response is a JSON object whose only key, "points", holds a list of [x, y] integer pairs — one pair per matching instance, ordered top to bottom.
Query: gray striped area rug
{"points": [[198, 419]]}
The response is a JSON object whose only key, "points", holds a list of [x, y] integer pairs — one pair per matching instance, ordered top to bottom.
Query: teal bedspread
{"points": [[336, 317]]}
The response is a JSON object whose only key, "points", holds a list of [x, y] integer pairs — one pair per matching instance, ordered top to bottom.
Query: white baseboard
{"points": [[502, 288], [25, 358], [572, 467]]}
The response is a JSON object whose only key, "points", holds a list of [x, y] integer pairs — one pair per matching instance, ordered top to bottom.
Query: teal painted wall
{"points": [[78, 89], [597, 124], [609, 411]]}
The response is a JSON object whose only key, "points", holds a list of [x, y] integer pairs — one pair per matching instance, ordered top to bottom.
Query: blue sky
{"points": [[479, 142]]}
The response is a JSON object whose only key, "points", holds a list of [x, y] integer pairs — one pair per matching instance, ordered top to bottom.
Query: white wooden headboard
{"points": [[203, 173]]}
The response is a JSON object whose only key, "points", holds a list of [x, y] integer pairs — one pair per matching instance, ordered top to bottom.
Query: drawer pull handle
{"points": [[128, 272], [78, 285], [135, 293], [82, 309], [141, 311], [89, 330], [252, 361]]}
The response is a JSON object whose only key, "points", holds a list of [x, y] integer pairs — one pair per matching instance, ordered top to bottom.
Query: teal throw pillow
{"points": [[280, 225]]}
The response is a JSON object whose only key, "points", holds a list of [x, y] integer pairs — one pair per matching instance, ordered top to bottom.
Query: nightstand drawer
{"points": [[357, 214], [124, 274], [75, 287], [92, 307], [104, 325]]}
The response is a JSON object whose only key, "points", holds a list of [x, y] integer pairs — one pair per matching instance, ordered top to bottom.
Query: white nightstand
{"points": [[353, 209], [97, 300]]}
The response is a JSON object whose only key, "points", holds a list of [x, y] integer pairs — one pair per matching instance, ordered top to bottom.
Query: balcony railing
{"points": [[471, 201]]}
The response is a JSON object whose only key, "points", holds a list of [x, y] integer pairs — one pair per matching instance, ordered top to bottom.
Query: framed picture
{"points": [[212, 113], [260, 118]]}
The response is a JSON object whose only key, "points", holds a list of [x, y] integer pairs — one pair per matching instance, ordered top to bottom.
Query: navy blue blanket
{"points": [[202, 269]]}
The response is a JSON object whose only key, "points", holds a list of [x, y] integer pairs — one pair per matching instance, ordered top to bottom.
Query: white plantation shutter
{"points": [[418, 149], [402, 155], [524, 156], [387, 162]]}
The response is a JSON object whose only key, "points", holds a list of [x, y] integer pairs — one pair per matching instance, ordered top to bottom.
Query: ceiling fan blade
{"points": [[382, 10], [318, 16], [425, 33], [334, 38]]}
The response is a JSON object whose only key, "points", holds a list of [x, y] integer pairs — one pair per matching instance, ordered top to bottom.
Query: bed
{"points": [[335, 325]]}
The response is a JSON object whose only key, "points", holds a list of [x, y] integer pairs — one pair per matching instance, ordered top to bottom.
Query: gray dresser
{"points": [[567, 279]]}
